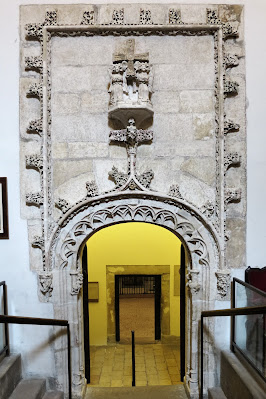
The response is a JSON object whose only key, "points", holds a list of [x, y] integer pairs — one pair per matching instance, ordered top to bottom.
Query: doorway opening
{"points": [[122, 264], [138, 308]]}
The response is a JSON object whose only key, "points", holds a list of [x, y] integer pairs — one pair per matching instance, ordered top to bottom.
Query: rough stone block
{"points": [[193, 14], [198, 101], [95, 102], [165, 102], [67, 104], [203, 126], [177, 127], [59, 150], [88, 150], [201, 168], [67, 169], [235, 248]]}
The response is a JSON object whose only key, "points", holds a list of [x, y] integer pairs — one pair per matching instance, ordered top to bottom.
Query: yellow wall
{"points": [[132, 243]]}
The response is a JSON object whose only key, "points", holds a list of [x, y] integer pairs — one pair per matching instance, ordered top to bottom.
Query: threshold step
{"points": [[29, 389], [147, 392], [216, 393], [54, 395]]}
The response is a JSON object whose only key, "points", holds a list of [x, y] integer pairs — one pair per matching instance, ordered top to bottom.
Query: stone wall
{"points": [[197, 155]]}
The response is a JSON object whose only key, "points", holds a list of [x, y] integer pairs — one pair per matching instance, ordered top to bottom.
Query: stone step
{"points": [[10, 375], [237, 380], [29, 389], [147, 392], [216, 393], [54, 395]]}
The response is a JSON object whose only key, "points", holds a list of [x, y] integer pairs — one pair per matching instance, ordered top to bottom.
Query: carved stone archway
{"points": [[64, 267]]}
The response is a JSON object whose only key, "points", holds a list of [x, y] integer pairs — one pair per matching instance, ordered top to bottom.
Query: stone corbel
{"points": [[118, 17], [145, 17], [175, 17], [88, 18], [35, 31], [231, 60], [34, 64], [230, 87], [35, 90], [35, 126], [230, 126], [231, 159], [34, 161], [174, 191], [232, 195], [34, 199], [63, 205], [76, 282], [223, 282], [193, 283], [46, 284]]}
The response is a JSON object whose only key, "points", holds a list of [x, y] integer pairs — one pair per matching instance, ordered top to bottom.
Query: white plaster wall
{"points": [[14, 260]]}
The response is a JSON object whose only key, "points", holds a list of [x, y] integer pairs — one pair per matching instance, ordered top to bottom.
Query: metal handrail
{"points": [[249, 286], [218, 313], [44, 322], [6, 348]]}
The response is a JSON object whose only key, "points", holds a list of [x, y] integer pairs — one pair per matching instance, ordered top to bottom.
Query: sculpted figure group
{"points": [[129, 87]]}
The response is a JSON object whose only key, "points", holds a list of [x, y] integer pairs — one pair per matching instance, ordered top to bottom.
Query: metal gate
{"points": [[136, 285]]}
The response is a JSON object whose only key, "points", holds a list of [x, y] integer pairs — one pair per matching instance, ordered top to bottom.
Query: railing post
{"points": [[233, 304], [6, 324], [201, 357], [133, 360], [69, 362]]}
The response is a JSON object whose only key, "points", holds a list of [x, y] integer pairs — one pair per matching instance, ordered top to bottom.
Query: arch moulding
{"points": [[65, 270]]}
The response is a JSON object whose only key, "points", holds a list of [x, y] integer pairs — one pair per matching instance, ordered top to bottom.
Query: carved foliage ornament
{"points": [[175, 16], [118, 17], [145, 17], [88, 18], [229, 28], [36, 30], [231, 159], [34, 161], [129, 213], [76, 282], [223, 282], [46, 284]]}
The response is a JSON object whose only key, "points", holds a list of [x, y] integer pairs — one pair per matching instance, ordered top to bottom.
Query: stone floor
{"points": [[156, 364]]}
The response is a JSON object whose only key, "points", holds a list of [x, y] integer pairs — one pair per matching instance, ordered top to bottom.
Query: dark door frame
{"points": [[157, 304], [182, 310], [86, 320]]}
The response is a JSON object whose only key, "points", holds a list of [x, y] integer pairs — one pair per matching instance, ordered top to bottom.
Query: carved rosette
{"points": [[118, 17], [145, 17], [175, 17], [88, 18], [192, 281], [76, 282], [223, 282], [46, 284]]}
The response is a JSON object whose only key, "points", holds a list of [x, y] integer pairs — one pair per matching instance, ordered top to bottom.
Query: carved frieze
{"points": [[175, 16], [118, 17], [145, 17], [88, 18], [34, 63], [231, 159], [35, 161], [34, 199], [76, 282], [223, 282], [46, 284]]}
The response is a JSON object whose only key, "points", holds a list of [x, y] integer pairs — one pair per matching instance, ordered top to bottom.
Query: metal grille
{"points": [[133, 285]]}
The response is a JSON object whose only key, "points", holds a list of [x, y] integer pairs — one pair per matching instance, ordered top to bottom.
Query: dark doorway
{"points": [[139, 286]]}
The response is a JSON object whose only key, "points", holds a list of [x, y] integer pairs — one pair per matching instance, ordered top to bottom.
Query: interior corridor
{"points": [[156, 364]]}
